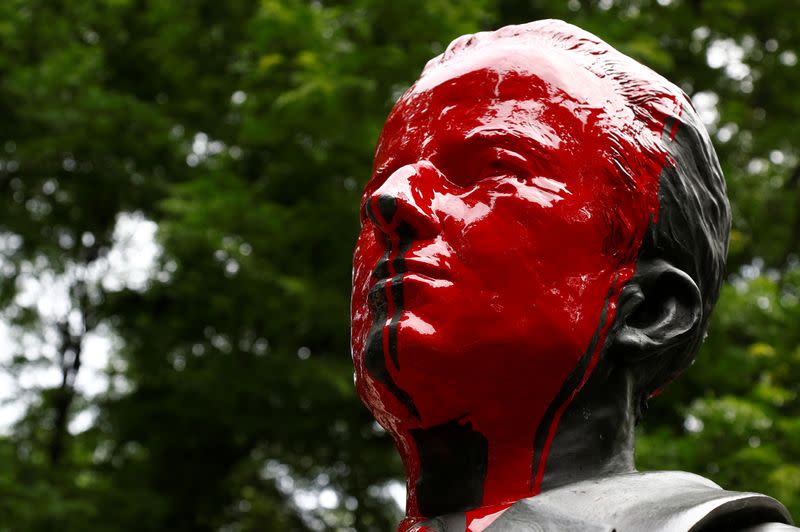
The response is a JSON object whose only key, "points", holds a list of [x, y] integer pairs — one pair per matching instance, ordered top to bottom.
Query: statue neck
{"points": [[594, 439]]}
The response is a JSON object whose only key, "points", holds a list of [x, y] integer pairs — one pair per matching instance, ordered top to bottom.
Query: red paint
{"points": [[529, 181], [551, 433], [479, 519]]}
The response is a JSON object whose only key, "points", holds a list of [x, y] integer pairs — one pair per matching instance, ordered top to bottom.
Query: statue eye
{"points": [[505, 163], [466, 167]]}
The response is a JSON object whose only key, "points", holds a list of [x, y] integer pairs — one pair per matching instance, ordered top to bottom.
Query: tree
{"points": [[245, 131]]}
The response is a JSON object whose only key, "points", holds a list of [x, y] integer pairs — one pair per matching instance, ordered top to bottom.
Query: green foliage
{"points": [[245, 130]]}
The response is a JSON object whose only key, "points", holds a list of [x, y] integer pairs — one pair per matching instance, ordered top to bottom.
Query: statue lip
{"points": [[407, 266], [406, 272], [377, 292]]}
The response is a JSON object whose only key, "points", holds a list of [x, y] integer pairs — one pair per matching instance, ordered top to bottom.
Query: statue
{"points": [[542, 242]]}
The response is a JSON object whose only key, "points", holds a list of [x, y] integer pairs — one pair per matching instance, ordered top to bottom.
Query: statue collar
{"points": [[656, 501], [664, 501]]}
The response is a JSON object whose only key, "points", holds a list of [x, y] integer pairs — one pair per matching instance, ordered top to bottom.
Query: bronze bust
{"points": [[543, 240]]}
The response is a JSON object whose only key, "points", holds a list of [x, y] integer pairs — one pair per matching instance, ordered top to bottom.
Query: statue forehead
{"points": [[562, 74], [510, 82], [511, 86]]}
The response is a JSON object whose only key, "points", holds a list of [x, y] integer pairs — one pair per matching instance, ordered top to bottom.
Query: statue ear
{"points": [[659, 309]]}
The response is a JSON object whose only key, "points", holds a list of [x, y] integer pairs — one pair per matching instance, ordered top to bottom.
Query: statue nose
{"points": [[403, 204]]}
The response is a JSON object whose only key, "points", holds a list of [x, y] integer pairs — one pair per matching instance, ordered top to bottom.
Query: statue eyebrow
{"points": [[504, 137], [538, 154]]}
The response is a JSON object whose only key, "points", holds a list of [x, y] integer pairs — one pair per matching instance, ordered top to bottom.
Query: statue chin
{"points": [[542, 242]]}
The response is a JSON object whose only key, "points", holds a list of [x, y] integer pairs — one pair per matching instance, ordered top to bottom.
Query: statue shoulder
{"points": [[655, 501]]}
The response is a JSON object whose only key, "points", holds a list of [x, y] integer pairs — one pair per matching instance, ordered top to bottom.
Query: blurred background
{"points": [[179, 185]]}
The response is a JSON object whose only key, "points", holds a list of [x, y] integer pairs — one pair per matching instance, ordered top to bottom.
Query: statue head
{"points": [[541, 205]]}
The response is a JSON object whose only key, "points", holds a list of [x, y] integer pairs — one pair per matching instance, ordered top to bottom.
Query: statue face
{"points": [[495, 238]]}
